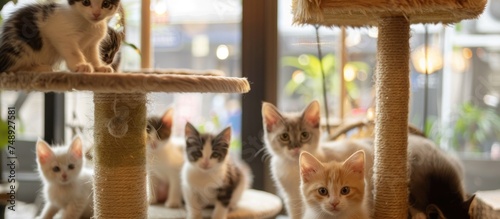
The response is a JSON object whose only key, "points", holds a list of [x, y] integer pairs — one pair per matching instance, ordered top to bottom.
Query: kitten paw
{"points": [[83, 67], [104, 68], [173, 204]]}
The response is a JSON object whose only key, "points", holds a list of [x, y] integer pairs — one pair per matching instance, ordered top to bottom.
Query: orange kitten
{"points": [[333, 190]]}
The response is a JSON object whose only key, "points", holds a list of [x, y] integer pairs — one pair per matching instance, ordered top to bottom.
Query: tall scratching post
{"points": [[393, 19], [391, 134], [120, 151]]}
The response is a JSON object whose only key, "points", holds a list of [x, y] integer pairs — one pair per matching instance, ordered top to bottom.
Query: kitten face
{"points": [[95, 10], [110, 46], [159, 128], [289, 134], [205, 151], [60, 165], [335, 189]]}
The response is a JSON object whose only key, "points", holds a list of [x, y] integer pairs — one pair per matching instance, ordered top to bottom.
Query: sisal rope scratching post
{"points": [[392, 77], [120, 124], [391, 132], [120, 151]]}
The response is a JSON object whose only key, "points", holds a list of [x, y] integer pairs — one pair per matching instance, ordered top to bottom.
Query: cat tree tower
{"points": [[393, 19], [120, 124]]}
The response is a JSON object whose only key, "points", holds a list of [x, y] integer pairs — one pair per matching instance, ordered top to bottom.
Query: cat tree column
{"points": [[393, 19], [120, 124]]}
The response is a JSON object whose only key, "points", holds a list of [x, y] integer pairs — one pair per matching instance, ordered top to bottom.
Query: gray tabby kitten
{"points": [[39, 36], [286, 135], [210, 177], [436, 182]]}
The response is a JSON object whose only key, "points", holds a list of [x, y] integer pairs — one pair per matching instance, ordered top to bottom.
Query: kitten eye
{"points": [[86, 2], [106, 4], [305, 135], [285, 137], [196, 154], [216, 155], [71, 166], [56, 169], [345, 190], [323, 191]]}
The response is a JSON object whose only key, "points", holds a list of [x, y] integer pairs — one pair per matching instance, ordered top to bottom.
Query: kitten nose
{"points": [[96, 14], [64, 176], [335, 203]]}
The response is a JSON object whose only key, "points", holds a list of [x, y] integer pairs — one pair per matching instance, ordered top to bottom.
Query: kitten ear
{"points": [[311, 114], [270, 116], [166, 121], [190, 131], [224, 136], [76, 147], [43, 151], [356, 162], [309, 166], [467, 204], [433, 212]]}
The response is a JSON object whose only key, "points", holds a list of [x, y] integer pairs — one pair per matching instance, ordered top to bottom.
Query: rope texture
{"points": [[366, 13], [173, 80], [391, 134], [120, 162]]}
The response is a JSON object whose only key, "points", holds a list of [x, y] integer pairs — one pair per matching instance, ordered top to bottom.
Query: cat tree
{"points": [[393, 19], [120, 124]]}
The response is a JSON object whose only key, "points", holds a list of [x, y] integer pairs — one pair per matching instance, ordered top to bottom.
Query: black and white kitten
{"points": [[38, 36], [210, 177]]}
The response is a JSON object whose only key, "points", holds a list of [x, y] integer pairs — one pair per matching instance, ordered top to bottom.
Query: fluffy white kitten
{"points": [[38, 36], [67, 184]]}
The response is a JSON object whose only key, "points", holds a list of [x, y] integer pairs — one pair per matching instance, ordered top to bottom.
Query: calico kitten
{"points": [[38, 36], [110, 45], [110, 48], [286, 135], [165, 160], [210, 177], [436, 182], [67, 184], [334, 190]]}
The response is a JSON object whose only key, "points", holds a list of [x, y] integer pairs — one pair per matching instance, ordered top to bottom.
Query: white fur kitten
{"points": [[37, 37], [286, 135], [165, 159], [211, 177], [67, 184], [334, 190]]}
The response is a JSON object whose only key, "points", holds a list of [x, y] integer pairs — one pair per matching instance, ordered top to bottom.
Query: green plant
{"points": [[307, 80], [473, 128]]}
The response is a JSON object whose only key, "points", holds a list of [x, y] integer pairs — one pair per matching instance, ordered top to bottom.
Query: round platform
{"points": [[253, 205]]}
